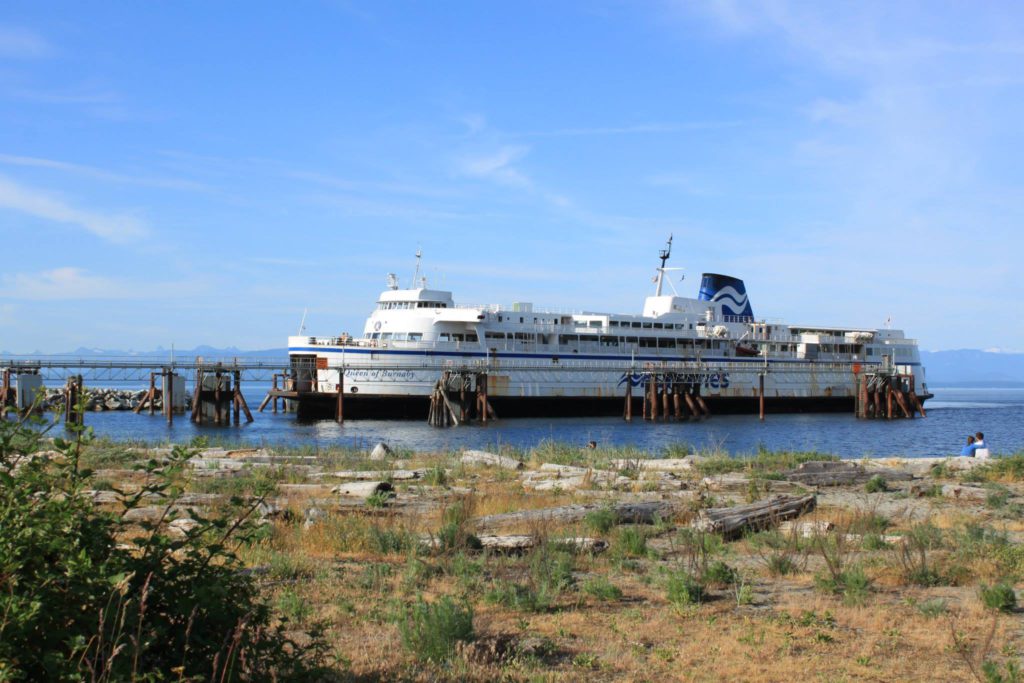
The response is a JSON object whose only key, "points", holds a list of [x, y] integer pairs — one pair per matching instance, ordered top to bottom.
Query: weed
{"points": [[435, 476], [998, 497], [379, 499], [600, 521], [391, 541], [630, 542], [779, 552], [913, 554], [852, 584], [602, 589], [684, 589], [293, 606], [430, 631]]}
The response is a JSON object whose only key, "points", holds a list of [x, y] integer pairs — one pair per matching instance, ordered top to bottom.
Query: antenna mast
{"points": [[663, 255], [417, 280]]}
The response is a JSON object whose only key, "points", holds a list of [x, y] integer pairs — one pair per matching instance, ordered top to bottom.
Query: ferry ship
{"points": [[537, 362]]}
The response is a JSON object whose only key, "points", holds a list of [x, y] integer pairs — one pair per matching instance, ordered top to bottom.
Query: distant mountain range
{"points": [[957, 368]]}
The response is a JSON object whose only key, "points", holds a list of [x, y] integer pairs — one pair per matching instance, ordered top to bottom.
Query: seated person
{"points": [[981, 446], [968, 450]]}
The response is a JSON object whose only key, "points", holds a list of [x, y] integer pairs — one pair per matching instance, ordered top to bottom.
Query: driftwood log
{"points": [[491, 460], [842, 473], [371, 475], [362, 489], [625, 513], [733, 521], [522, 542]]}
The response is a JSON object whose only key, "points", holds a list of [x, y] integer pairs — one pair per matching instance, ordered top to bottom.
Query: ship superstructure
{"points": [[543, 362]]}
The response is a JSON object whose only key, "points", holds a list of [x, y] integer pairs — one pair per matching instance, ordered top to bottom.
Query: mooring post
{"points": [[5, 388], [482, 390], [152, 393], [275, 393], [169, 396], [664, 396], [760, 396], [197, 398], [888, 399], [236, 404], [677, 407], [628, 411], [339, 415]]}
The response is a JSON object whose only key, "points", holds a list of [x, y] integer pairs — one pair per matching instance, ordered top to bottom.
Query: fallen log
{"points": [[491, 460], [657, 464], [828, 473], [370, 475], [362, 489], [625, 513], [732, 521], [521, 542]]}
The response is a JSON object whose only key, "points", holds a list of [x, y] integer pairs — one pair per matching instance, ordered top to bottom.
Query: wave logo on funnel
{"points": [[727, 291]]}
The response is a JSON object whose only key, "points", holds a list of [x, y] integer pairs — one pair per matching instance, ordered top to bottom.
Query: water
{"points": [[952, 415]]}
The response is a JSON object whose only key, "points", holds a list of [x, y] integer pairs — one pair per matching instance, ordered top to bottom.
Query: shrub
{"points": [[435, 476], [876, 484], [600, 521], [391, 541], [913, 554], [720, 574], [550, 576], [852, 584], [601, 588], [684, 589], [999, 597], [76, 604], [932, 608], [430, 631]]}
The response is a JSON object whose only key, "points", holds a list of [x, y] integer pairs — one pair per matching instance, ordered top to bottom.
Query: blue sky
{"points": [[196, 172]]}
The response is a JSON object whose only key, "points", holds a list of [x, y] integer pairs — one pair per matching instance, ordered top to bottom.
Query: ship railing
{"points": [[504, 365]]}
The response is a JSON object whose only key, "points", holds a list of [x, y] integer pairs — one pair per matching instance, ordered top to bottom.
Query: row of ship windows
{"points": [[403, 305], [598, 324]]}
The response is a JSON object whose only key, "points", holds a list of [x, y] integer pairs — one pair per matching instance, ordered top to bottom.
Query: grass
{"points": [[763, 461], [876, 484], [600, 588], [683, 589], [1000, 597], [430, 631]]}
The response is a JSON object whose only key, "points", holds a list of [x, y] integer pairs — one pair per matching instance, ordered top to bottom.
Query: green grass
{"points": [[763, 461], [876, 484], [602, 589], [684, 589], [1000, 597], [430, 631]]}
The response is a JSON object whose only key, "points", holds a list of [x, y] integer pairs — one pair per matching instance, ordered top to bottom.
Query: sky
{"points": [[203, 173]]}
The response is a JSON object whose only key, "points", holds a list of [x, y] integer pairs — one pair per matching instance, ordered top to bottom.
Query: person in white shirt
{"points": [[981, 446]]}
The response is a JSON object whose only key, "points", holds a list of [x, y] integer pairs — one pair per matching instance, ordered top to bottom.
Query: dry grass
{"points": [[355, 569]]}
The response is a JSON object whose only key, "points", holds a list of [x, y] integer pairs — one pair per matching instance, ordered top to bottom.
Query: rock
{"points": [[381, 451], [313, 515], [180, 527]]}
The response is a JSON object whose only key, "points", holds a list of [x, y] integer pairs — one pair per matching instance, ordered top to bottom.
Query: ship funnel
{"points": [[728, 291]]}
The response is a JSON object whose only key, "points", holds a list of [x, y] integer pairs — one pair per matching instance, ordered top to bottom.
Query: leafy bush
{"points": [[876, 484], [913, 554], [720, 574], [852, 584], [684, 589], [999, 597], [79, 602], [932, 608], [430, 631]]}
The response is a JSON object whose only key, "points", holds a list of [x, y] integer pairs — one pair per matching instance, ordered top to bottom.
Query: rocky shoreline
{"points": [[101, 400]]}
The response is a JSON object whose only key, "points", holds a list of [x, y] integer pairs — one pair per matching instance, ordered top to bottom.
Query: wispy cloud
{"points": [[21, 43], [634, 129], [498, 166], [101, 174], [368, 186], [40, 204], [70, 283]]}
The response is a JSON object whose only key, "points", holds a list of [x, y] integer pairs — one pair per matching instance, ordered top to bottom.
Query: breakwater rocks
{"points": [[100, 400]]}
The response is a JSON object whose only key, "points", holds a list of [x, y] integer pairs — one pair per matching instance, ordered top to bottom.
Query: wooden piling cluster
{"points": [[283, 382], [6, 390], [666, 395], [887, 395], [225, 398], [74, 410], [445, 412]]}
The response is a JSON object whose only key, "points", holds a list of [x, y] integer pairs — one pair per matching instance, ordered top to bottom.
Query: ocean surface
{"points": [[952, 415]]}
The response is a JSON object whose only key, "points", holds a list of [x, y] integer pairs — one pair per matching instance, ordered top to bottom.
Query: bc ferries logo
{"points": [[733, 302], [709, 380]]}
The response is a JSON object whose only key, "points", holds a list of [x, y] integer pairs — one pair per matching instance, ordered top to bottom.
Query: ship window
{"points": [[613, 323], [635, 324], [647, 326], [659, 326], [375, 335], [385, 335], [494, 335], [400, 336], [415, 336], [444, 336], [471, 337], [609, 341], [648, 343], [666, 343]]}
